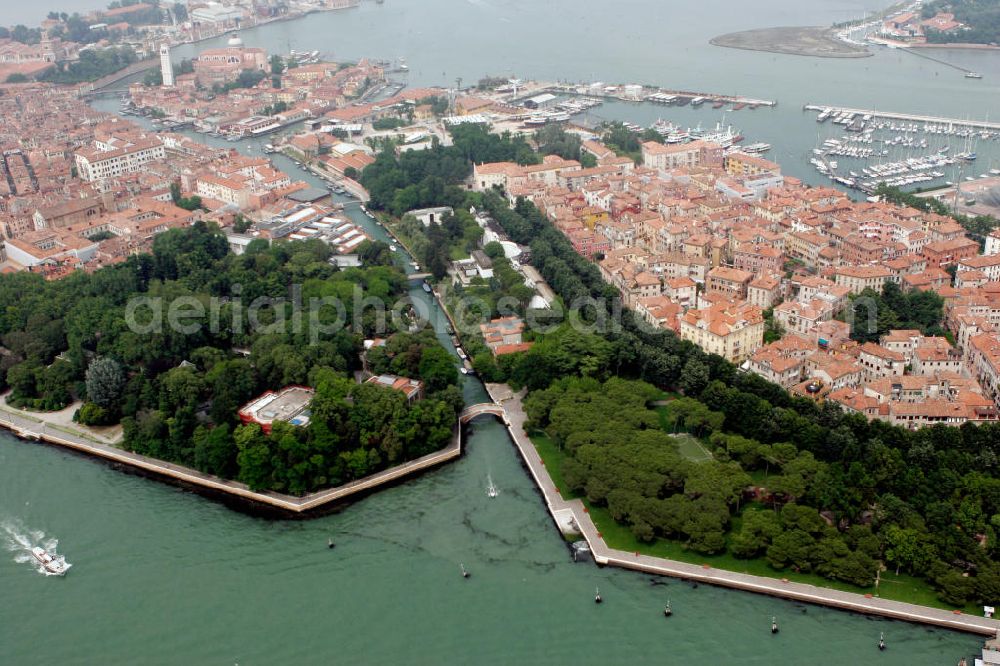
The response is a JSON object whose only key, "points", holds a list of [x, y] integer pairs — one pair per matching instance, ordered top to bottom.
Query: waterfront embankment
{"points": [[802, 41], [34, 429], [563, 511]]}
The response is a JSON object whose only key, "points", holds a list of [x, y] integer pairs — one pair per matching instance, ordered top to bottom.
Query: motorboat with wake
{"points": [[52, 565]]}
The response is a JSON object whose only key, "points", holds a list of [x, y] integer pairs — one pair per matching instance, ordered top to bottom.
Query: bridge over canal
{"points": [[473, 411]]}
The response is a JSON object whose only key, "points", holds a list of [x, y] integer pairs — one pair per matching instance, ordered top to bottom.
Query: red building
{"points": [[944, 253]]}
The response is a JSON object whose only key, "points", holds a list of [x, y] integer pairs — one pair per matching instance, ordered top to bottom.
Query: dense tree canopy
{"points": [[981, 18], [91, 65], [874, 314], [177, 392]]}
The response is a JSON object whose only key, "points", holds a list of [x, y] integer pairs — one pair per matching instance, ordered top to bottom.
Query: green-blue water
{"points": [[163, 576]]}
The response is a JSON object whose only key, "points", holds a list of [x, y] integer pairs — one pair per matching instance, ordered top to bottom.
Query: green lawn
{"points": [[666, 422], [688, 445], [552, 457], [898, 588]]}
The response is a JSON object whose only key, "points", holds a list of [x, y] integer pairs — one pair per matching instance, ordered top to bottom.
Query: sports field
{"points": [[691, 448]]}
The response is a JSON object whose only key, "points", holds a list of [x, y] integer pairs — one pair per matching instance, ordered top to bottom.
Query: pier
{"points": [[916, 51], [647, 92], [714, 97], [912, 117], [574, 511]]}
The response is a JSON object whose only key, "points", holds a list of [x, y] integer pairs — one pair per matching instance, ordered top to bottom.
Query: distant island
{"points": [[804, 41]]}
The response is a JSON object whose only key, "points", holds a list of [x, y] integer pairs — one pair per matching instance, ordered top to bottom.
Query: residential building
{"points": [[119, 157], [733, 331], [413, 389]]}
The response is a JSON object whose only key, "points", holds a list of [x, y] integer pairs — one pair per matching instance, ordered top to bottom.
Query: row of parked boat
{"points": [[562, 111], [860, 122], [960, 131], [724, 135]]}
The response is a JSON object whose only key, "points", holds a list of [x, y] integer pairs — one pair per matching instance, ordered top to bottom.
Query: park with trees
{"points": [[91, 65], [894, 308], [176, 390]]}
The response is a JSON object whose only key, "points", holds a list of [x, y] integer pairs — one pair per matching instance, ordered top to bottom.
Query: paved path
{"points": [[62, 421], [30, 428], [605, 555]]}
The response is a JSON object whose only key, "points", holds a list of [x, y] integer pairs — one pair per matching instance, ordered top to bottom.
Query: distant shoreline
{"points": [[816, 42], [957, 45]]}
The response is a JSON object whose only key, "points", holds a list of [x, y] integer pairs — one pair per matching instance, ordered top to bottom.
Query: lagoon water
{"points": [[663, 43], [165, 576]]}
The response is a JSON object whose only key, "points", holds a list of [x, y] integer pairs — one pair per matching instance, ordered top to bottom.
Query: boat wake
{"points": [[19, 540]]}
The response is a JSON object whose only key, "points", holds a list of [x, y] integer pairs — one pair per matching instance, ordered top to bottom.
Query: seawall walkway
{"points": [[38, 430], [603, 554]]}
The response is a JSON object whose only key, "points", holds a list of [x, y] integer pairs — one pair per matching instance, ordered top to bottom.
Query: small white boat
{"points": [[392, 247], [491, 489], [52, 565]]}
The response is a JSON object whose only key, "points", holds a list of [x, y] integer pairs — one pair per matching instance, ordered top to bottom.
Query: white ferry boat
{"points": [[724, 136], [756, 148], [50, 564]]}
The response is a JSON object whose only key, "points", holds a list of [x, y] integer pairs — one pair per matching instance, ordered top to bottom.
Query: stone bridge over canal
{"points": [[472, 411]]}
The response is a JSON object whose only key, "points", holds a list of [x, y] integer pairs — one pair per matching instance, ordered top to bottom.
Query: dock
{"points": [[655, 93], [715, 97], [912, 117], [574, 512]]}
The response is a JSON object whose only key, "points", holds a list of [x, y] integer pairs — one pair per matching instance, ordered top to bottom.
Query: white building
{"points": [[216, 13], [166, 67], [632, 91], [112, 160], [429, 216], [993, 243]]}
